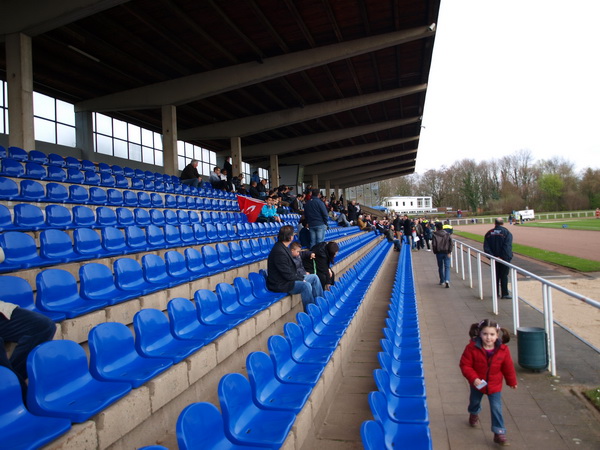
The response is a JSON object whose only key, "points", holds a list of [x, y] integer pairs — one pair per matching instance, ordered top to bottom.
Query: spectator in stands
{"points": [[228, 171], [190, 175], [255, 177], [225, 178], [216, 181], [237, 182], [262, 188], [242, 190], [253, 190], [297, 204], [353, 212], [268, 213], [315, 213], [342, 220], [362, 224], [407, 226], [304, 234], [325, 253], [300, 256], [282, 275], [27, 329]]}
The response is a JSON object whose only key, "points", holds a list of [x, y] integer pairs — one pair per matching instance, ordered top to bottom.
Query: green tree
{"points": [[552, 188]]}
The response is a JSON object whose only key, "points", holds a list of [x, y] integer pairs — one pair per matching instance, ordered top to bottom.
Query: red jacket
{"points": [[474, 363]]}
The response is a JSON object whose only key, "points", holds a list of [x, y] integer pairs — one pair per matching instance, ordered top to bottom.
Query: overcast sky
{"points": [[513, 74]]}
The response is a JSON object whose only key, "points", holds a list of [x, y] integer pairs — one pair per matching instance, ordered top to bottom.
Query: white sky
{"points": [[513, 74]]}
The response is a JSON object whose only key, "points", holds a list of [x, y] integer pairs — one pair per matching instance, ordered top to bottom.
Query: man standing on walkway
{"points": [[315, 213], [498, 242], [442, 248], [282, 275]]}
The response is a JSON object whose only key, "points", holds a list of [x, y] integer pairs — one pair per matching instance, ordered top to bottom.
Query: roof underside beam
{"points": [[195, 87], [269, 121], [333, 166], [358, 171], [371, 177]]}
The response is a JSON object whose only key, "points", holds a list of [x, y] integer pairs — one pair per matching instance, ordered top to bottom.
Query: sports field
{"points": [[574, 224]]}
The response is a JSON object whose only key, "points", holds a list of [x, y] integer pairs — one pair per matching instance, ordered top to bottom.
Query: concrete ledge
{"points": [[77, 329], [201, 362], [168, 385], [81, 436]]}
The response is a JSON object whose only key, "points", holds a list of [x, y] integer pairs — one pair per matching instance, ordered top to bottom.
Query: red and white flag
{"points": [[250, 206]]}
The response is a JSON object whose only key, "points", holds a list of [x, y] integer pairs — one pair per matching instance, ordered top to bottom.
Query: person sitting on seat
{"points": [[190, 175], [216, 181], [268, 213]]}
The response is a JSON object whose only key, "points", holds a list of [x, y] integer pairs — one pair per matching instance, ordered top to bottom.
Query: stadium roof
{"points": [[336, 85]]}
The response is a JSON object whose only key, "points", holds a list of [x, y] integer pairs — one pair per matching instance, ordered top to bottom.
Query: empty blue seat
{"points": [[17, 153], [56, 160], [88, 165], [11, 168], [104, 168], [35, 170], [117, 170], [128, 172], [56, 173], [139, 173], [74, 176], [91, 178], [107, 180], [121, 182], [137, 184], [149, 185], [9, 190], [32, 191], [57, 193], [78, 194], [98, 196], [114, 197], [130, 199], [144, 200], [156, 200], [170, 202], [181, 202], [57, 216], [28, 217], [105, 217], [125, 217], [142, 217], [157, 217], [171, 217], [193, 217], [6, 221], [200, 233], [211, 233], [187, 235], [155, 236], [172, 236], [135, 239], [113, 241], [87, 243], [56, 245], [20, 252], [224, 256], [237, 258], [211, 259], [195, 263], [176, 266], [155, 272], [129, 277], [97, 283], [259, 287], [18, 291], [245, 295], [228, 298], [209, 310], [185, 324], [153, 338], [311, 338], [301, 352], [404, 353], [113, 356], [400, 368], [286, 369], [60, 383], [391, 384], [270, 393], [247, 424], [21, 429], [373, 436]]}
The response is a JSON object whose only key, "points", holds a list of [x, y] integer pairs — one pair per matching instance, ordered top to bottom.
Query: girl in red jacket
{"points": [[484, 363]]}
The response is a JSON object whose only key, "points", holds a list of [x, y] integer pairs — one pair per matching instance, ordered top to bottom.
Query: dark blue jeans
{"points": [[317, 234], [443, 261], [28, 329], [495, 408]]}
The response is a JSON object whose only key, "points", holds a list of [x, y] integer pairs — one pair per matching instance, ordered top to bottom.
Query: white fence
{"points": [[541, 216], [465, 254]]}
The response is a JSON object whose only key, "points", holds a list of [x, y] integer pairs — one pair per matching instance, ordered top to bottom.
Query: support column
{"points": [[20, 91], [169, 131], [84, 134], [236, 156], [274, 181], [315, 181], [327, 189], [336, 189], [345, 202]]}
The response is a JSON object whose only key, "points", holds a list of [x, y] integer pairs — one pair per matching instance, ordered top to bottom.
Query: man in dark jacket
{"points": [[190, 175], [353, 212], [315, 213], [498, 243], [442, 248], [282, 275]]}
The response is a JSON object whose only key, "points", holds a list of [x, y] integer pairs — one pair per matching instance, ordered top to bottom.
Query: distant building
{"points": [[409, 205]]}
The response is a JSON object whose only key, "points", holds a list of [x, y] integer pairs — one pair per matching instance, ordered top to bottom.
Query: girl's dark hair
{"points": [[332, 248], [476, 328]]}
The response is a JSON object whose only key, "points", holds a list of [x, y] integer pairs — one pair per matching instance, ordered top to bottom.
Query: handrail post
{"points": [[462, 259], [470, 265], [479, 276], [494, 287], [515, 300], [551, 347]]}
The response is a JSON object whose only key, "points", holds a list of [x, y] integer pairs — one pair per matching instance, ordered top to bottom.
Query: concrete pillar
{"points": [[19, 70], [169, 132], [84, 134], [236, 156], [274, 171], [315, 181], [327, 189], [336, 189], [345, 194]]}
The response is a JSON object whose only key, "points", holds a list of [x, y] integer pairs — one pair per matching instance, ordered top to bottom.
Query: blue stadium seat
{"points": [[17, 153], [38, 157], [56, 160], [72, 163], [88, 165], [11, 168], [104, 168], [35, 170], [117, 170], [128, 172], [55, 173], [139, 173], [74, 176], [91, 178], [107, 180], [121, 182], [137, 184], [149, 185], [159, 186], [9, 190], [32, 191], [57, 193], [78, 194], [98, 196], [114, 197], [130, 199], [144, 200], [157, 200], [170, 202], [181, 202], [200, 203], [57, 216], [28, 217], [83, 217], [105, 217], [125, 217], [142, 217], [157, 217], [171, 217], [183, 217], [193, 217], [6, 221], [200, 233], [211, 233], [222, 234], [187, 235], [172, 236], [156, 237], [135, 239], [113, 241], [87, 243], [57, 245], [256, 250], [20, 252], [247, 252], [224, 256], [237, 258], [211, 260], [195, 263], [176, 266], [155, 272], [129, 277], [97, 283], [259, 287], [18, 291], [57, 291], [245, 295], [228, 299], [209, 310], [185, 324], [153, 338], [311, 338], [301, 352], [404, 353], [113, 356], [286, 369], [401, 369], [60, 383], [392, 385], [270, 393], [246, 423], [19, 428], [373, 436]]}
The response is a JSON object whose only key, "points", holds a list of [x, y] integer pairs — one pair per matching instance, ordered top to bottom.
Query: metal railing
{"points": [[538, 216], [463, 251]]}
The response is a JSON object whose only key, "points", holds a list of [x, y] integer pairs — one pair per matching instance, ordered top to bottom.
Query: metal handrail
{"points": [[547, 287]]}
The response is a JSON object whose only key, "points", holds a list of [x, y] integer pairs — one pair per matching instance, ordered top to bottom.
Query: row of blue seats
{"points": [[17, 169], [34, 191], [29, 217], [59, 296], [63, 388], [399, 406], [260, 410]]}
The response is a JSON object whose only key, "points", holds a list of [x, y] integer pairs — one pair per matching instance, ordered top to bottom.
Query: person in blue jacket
{"points": [[498, 243]]}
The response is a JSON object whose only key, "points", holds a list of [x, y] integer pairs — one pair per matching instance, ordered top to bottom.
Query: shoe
{"points": [[428, 250], [441, 282], [447, 284], [507, 297], [473, 420], [501, 439]]}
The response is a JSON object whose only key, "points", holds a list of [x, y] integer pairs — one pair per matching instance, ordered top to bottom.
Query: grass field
{"points": [[573, 224], [572, 262]]}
